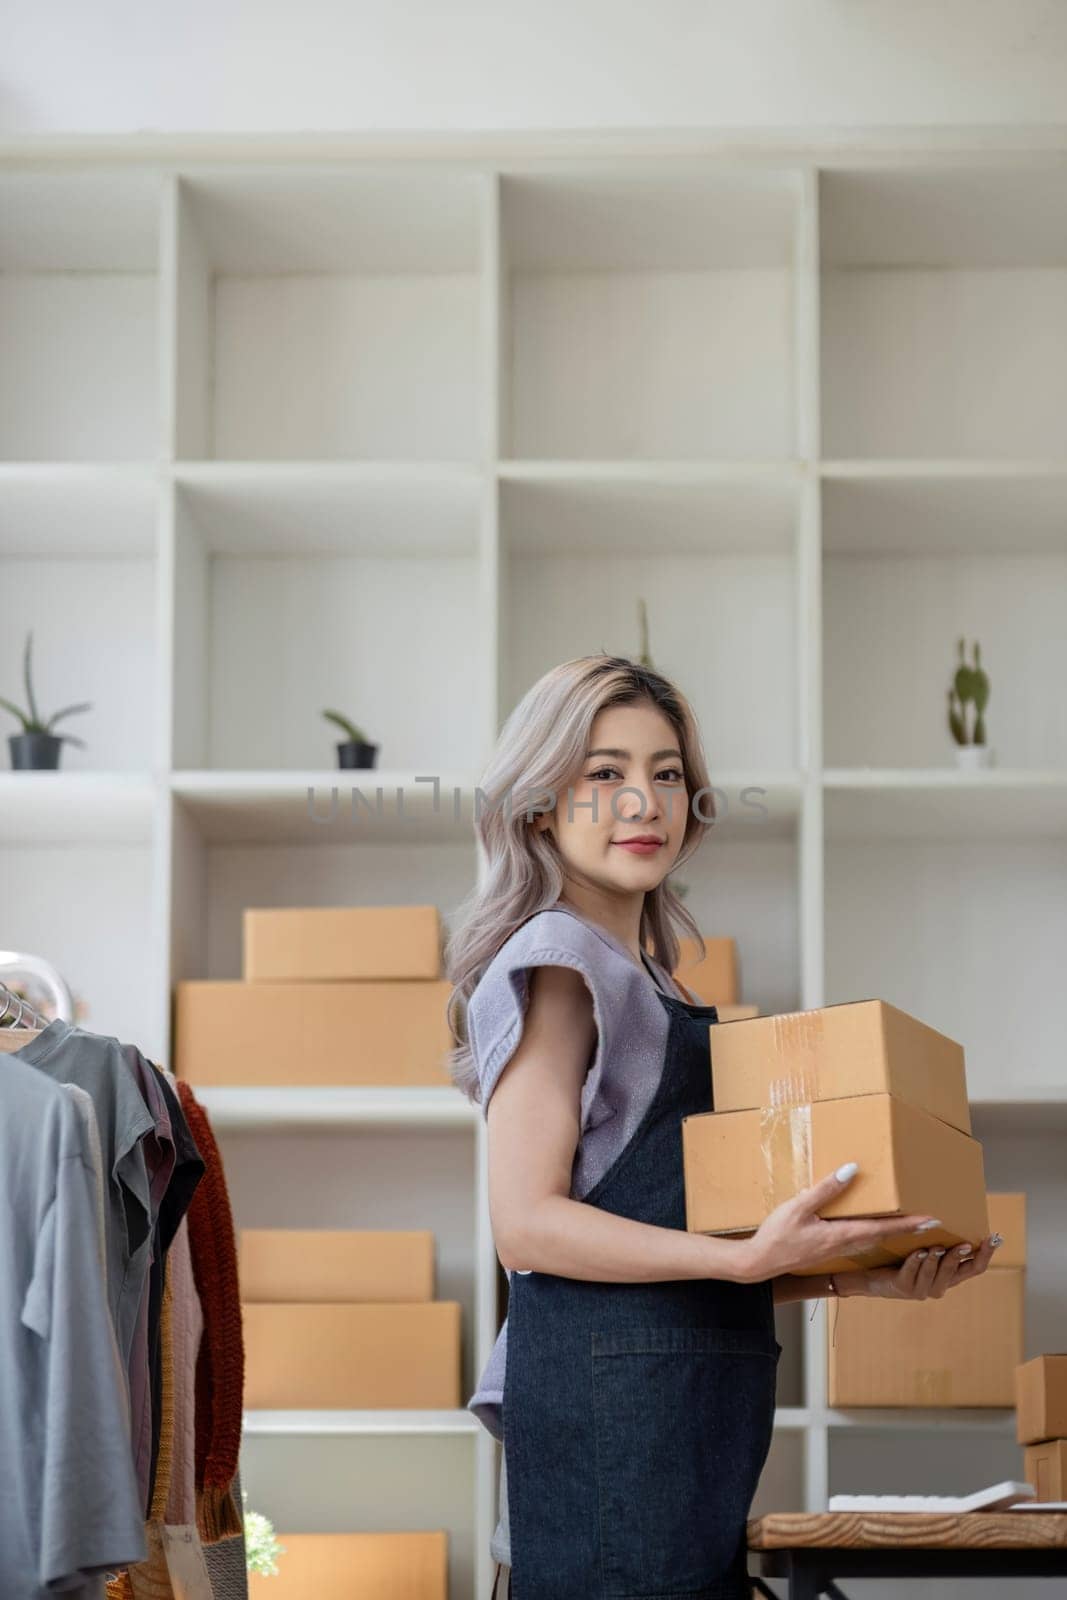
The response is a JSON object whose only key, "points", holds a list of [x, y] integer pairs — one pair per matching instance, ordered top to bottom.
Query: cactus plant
{"points": [[970, 685]]}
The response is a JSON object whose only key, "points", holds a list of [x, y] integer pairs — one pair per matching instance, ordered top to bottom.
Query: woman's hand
{"points": [[794, 1235], [924, 1275]]}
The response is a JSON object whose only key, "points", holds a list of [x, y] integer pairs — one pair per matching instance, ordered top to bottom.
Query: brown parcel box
{"points": [[339, 942], [714, 978], [736, 1013], [275, 1034], [858, 1047], [909, 1161], [327, 1264], [961, 1350], [931, 1352], [348, 1357], [1041, 1399], [1046, 1468], [357, 1566]]}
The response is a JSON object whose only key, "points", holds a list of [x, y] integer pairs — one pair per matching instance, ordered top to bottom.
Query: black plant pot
{"points": [[34, 752], [353, 753]]}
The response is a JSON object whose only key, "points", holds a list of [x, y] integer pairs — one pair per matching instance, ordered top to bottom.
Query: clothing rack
{"points": [[15, 1012]]}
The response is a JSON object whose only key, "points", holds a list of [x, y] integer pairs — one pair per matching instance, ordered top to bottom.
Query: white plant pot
{"points": [[974, 757]]}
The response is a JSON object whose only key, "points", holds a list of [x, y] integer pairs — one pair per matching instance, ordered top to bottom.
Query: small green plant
{"points": [[970, 686], [32, 721], [349, 729], [261, 1545]]}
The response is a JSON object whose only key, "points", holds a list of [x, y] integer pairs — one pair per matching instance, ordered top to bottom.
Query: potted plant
{"points": [[970, 686], [37, 748], [352, 751], [261, 1544]]}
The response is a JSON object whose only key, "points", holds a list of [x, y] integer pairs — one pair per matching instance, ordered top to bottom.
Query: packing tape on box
{"points": [[785, 1116], [785, 1140]]}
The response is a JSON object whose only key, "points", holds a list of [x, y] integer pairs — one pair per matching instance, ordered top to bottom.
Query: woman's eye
{"points": [[667, 775]]}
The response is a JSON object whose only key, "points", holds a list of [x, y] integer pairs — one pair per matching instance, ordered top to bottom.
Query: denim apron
{"points": [[638, 1416]]}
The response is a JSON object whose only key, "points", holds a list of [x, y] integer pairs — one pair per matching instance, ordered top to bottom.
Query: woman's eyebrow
{"points": [[624, 755]]}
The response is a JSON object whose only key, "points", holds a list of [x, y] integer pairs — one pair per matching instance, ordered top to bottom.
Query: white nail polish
{"points": [[849, 1170], [934, 1222], [940, 1250]]}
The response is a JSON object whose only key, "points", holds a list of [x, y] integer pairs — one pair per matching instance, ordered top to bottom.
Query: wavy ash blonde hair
{"points": [[539, 752]]}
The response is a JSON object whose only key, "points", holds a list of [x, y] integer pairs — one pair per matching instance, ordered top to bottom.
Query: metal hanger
{"points": [[19, 1020]]}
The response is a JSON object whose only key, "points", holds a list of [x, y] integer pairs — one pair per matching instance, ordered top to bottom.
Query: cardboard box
{"points": [[327, 943], [714, 978], [736, 1013], [312, 1033], [833, 1052], [739, 1167], [338, 1265], [961, 1350], [347, 1357], [1041, 1399], [1046, 1468], [357, 1566]]}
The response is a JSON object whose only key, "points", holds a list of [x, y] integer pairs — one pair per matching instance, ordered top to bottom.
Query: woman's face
{"points": [[630, 785]]}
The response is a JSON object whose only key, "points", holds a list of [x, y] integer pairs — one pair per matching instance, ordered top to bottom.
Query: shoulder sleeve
{"points": [[497, 1007]]}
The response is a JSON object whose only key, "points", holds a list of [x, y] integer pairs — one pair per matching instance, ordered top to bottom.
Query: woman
{"points": [[633, 1384]]}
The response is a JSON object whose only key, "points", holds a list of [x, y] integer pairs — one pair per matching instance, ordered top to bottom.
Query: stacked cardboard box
{"points": [[714, 977], [330, 995], [798, 1094], [345, 1320], [960, 1350], [1041, 1423], [357, 1566]]}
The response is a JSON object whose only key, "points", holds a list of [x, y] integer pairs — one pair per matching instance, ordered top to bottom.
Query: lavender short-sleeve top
{"points": [[631, 1026]]}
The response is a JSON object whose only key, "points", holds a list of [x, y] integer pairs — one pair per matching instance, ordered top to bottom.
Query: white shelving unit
{"points": [[399, 435]]}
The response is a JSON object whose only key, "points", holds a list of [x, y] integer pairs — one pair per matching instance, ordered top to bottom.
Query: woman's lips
{"points": [[639, 847]]}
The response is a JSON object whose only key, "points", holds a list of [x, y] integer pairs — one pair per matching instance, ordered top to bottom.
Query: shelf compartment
{"points": [[944, 311], [329, 314], [649, 315], [79, 316], [78, 549], [717, 557], [910, 565], [296, 591], [88, 908], [967, 934], [363, 1177], [369, 1482]]}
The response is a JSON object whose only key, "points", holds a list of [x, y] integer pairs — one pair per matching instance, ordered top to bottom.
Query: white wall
{"points": [[223, 66]]}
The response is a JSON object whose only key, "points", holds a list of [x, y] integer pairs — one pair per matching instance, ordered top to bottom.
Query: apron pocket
{"points": [[683, 1419]]}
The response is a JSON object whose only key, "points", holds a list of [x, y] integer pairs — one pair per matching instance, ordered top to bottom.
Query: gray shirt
{"points": [[632, 1028], [95, 1062], [69, 1508]]}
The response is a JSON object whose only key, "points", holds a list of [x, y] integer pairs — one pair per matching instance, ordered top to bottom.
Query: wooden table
{"points": [[811, 1549]]}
